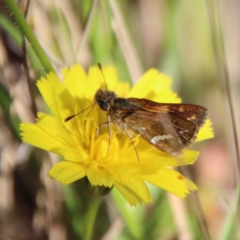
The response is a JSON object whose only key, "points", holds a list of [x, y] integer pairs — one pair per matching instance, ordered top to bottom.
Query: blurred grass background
{"points": [[177, 38]]}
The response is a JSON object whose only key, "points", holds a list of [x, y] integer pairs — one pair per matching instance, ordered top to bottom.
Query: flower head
{"points": [[89, 155]]}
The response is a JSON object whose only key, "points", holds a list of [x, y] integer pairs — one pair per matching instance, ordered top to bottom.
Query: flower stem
{"points": [[27, 32], [90, 217]]}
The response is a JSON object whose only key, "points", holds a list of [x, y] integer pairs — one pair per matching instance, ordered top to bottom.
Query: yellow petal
{"points": [[75, 80], [96, 80], [108, 80], [154, 86], [57, 97], [54, 128], [206, 131], [35, 136], [74, 154], [155, 156], [120, 171], [67, 172], [99, 176], [171, 181], [134, 190], [132, 198]]}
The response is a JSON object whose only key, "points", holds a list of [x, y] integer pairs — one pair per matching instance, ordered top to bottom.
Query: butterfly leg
{"points": [[104, 124], [100, 125], [125, 130], [110, 133]]}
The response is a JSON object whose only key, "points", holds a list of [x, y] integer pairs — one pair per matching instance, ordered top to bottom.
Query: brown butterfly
{"points": [[168, 127]]}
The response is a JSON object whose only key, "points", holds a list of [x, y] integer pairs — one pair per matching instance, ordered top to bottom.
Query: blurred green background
{"points": [[177, 38]]}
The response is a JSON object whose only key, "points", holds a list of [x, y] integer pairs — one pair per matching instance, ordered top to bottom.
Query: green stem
{"points": [[27, 31], [90, 217]]}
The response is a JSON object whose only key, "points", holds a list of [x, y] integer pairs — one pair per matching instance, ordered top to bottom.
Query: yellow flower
{"points": [[91, 156]]}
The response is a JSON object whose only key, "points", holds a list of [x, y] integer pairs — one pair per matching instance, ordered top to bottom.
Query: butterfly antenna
{"points": [[100, 68], [74, 115]]}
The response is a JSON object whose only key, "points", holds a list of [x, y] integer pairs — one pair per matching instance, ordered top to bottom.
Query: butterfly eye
{"points": [[104, 105]]}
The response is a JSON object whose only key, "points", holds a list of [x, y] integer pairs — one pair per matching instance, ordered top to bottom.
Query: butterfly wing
{"points": [[169, 127]]}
